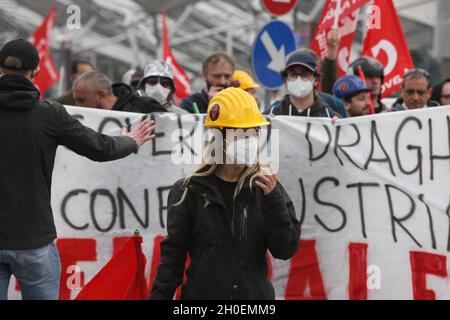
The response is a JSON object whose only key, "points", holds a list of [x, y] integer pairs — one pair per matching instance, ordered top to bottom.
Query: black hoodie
{"points": [[128, 100], [319, 109], [30, 132]]}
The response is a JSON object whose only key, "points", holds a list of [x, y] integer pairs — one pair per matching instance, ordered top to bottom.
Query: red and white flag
{"points": [[347, 8], [348, 18], [386, 42], [48, 74], [181, 80]]}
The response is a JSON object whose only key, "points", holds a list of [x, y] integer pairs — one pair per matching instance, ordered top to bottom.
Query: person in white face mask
{"points": [[301, 77], [158, 84], [227, 215]]}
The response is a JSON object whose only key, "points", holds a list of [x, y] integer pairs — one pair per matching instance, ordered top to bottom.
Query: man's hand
{"points": [[333, 43], [213, 91], [334, 120], [142, 133], [266, 179]]}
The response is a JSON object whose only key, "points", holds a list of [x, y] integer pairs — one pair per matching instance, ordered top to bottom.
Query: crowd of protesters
{"points": [[312, 85]]}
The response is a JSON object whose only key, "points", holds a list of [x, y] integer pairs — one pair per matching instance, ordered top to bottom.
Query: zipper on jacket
{"points": [[244, 222], [233, 231]]}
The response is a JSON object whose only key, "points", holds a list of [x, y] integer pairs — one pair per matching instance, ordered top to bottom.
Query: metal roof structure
{"points": [[126, 33]]}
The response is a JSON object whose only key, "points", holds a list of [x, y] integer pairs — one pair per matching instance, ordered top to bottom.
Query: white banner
{"points": [[372, 193]]}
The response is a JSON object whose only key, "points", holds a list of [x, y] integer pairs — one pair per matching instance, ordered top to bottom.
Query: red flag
{"points": [[347, 24], [41, 40], [386, 42], [181, 80], [122, 278]]}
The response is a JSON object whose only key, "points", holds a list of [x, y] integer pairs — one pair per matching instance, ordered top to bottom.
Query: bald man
{"points": [[94, 90]]}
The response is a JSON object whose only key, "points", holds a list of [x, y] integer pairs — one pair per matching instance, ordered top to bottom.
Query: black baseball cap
{"points": [[22, 50], [302, 58]]}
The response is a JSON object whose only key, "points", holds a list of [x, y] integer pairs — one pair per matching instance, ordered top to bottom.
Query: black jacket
{"points": [[200, 98], [66, 99], [128, 100], [319, 109], [30, 132], [223, 264]]}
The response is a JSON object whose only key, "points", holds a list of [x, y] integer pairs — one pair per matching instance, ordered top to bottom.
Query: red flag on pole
{"points": [[347, 18], [386, 42], [48, 74], [181, 80], [122, 278]]}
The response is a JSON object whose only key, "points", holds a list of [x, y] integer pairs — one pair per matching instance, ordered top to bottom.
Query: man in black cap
{"points": [[301, 77], [30, 132]]}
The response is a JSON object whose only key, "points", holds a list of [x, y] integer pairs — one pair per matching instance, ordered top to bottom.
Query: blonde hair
{"points": [[208, 166]]}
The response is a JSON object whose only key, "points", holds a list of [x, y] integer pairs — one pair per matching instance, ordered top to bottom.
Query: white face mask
{"points": [[299, 88], [157, 92], [243, 151]]}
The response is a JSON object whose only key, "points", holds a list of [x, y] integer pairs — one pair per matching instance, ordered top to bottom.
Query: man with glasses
{"points": [[301, 77], [158, 84], [94, 90], [416, 91]]}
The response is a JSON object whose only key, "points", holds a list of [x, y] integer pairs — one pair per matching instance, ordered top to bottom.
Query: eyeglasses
{"points": [[417, 71], [304, 74], [165, 82]]}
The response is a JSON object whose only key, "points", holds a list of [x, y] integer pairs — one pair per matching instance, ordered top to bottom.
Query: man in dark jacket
{"points": [[77, 68], [218, 71], [301, 76], [94, 90], [416, 91], [30, 133]]}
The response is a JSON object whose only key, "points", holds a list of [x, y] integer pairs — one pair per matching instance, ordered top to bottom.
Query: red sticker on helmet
{"points": [[214, 112]]}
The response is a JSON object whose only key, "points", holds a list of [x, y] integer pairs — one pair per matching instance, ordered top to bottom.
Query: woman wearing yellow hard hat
{"points": [[227, 214]]}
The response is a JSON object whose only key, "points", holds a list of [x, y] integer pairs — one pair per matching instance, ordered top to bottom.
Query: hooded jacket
{"points": [[128, 100], [319, 108], [30, 132], [227, 252]]}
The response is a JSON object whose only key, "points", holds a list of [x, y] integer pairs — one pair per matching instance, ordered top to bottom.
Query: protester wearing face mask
{"points": [[301, 77], [158, 84], [94, 90], [227, 215]]}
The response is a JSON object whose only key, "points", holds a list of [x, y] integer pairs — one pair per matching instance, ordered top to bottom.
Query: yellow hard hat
{"points": [[245, 80], [234, 108]]}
